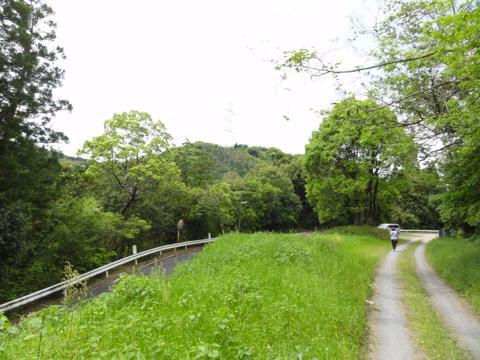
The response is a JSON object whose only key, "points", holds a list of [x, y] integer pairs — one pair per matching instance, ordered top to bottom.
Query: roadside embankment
{"points": [[260, 296]]}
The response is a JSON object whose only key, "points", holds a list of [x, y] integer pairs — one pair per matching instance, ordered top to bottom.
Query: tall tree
{"points": [[428, 71], [28, 75], [127, 156], [351, 157]]}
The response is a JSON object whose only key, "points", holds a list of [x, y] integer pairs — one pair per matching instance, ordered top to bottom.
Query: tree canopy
{"points": [[426, 70], [352, 157]]}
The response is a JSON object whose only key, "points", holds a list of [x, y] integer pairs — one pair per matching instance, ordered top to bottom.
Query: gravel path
{"points": [[464, 325], [388, 331]]}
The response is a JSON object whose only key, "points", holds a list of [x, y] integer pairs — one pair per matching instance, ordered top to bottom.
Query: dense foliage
{"points": [[426, 69], [28, 76], [438, 94], [409, 153], [353, 162], [133, 188], [260, 296]]}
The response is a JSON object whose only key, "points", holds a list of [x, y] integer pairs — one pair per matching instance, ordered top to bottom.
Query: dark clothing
{"points": [[394, 244]]}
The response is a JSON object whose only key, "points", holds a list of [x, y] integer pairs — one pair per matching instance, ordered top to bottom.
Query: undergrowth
{"points": [[361, 230], [262, 296]]}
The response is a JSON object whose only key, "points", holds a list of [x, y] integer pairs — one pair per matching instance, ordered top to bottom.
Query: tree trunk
{"points": [[131, 199], [375, 202]]}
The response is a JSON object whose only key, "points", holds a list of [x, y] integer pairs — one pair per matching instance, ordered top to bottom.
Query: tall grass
{"points": [[458, 262], [259, 296]]}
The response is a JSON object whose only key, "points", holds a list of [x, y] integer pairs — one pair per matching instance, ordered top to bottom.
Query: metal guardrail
{"points": [[420, 231], [40, 294], [13, 304]]}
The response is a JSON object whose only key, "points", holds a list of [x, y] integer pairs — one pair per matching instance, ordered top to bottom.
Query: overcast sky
{"points": [[199, 66]]}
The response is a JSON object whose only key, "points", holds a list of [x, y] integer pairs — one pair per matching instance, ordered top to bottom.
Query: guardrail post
{"points": [[209, 235], [106, 274]]}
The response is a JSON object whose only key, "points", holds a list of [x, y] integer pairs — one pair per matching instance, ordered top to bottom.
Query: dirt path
{"points": [[464, 325], [389, 337]]}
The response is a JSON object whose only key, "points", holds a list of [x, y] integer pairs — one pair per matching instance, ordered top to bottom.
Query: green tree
{"points": [[427, 70], [28, 72], [28, 76], [438, 94], [126, 158], [351, 158], [197, 165], [295, 169], [266, 199], [412, 199], [163, 204], [459, 206], [216, 208], [82, 234]]}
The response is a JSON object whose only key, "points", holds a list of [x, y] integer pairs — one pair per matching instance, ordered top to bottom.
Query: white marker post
{"points": [[134, 250]]}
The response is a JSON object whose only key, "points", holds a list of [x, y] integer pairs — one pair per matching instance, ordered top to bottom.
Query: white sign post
{"points": [[134, 250]]}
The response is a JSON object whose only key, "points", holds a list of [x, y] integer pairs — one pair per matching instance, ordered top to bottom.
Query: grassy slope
{"points": [[458, 262], [262, 296], [431, 335]]}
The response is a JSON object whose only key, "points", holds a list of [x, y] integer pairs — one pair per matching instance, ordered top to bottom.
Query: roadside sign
{"points": [[180, 224]]}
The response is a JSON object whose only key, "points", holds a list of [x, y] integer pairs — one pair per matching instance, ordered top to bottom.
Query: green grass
{"points": [[361, 230], [458, 263], [259, 296], [431, 335]]}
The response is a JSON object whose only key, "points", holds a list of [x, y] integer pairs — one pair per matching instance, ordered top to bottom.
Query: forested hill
{"points": [[215, 161], [263, 180], [91, 210]]}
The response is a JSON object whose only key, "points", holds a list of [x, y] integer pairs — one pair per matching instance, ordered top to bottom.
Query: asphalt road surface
{"points": [[165, 265]]}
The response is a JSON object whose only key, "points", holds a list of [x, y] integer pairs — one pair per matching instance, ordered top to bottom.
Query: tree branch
{"points": [[324, 70]]}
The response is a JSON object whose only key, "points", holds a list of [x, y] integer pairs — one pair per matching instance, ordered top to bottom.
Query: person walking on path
{"points": [[394, 237]]}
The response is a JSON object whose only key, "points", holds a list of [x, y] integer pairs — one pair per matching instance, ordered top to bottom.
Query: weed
{"points": [[76, 289], [262, 296]]}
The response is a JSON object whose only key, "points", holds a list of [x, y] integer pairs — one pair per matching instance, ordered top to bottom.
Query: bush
{"points": [[361, 230]]}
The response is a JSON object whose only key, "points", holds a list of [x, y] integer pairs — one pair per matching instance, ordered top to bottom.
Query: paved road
{"points": [[166, 265], [99, 286], [464, 325], [389, 334]]}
